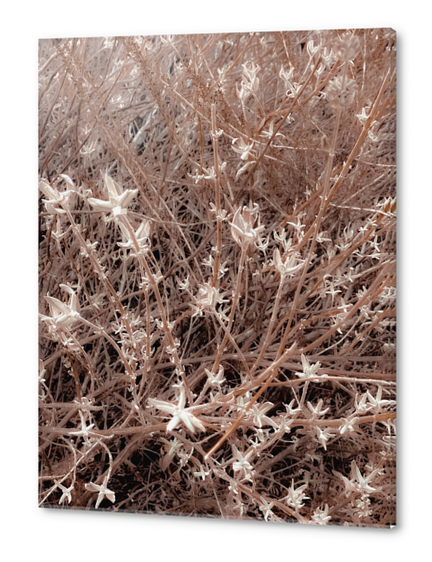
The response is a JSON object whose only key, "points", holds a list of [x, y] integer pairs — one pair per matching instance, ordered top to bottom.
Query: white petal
{"points": [[244, 168], [68, 180], [113, 188], [48, 191], [126, 197], [100, 205], [144, 230], [57, 307], [164, 406], [187, 421], [173, 423], [197, 423], [92, 487]]}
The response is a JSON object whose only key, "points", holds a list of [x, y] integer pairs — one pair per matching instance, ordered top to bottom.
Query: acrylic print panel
{"points": [[217, 275]]}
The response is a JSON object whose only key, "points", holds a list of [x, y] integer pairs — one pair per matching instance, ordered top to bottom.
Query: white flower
{"points": [[347, 47], [311, 49], [287, 76], [250, 80], [341, 92], [269, 134], [244, 149], [87, 150], [211, 174], [54, 198], [118, 199], [222, 214], [242, 228], [57, 234], [142, 235], [262, 244], [289, 267], [184, 285], [332, 291], [208, 297], [62, 315], [308, 370], [215, 380], [377, 403], [289, 407], [361, 407], [316, 410], [258, 412], [179, 413], [348, 425], [85, 429], [323, 435], [173, 448], [242, 463], [202, 473], [362, 482], [357, 483], [349, 485], [103, 491], [66, 492], [296, 496], [363, 507], [266, 508], [321, 517]]}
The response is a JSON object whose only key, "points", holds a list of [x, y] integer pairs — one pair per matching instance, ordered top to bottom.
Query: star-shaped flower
{"points": [[243, 148], [55, 199], [118, 199], [242, 226], [142, 235], [287, 267], [208, 298], [62, 315], [308, 369], [215, 379], [317, 410], [179, 413], [348, 425], [85, 430], [323, 435], [173, 448], [242, 464], [363, 482], [103, 491], [66, 492], [295, 496], [266, 508], [320, 516]]}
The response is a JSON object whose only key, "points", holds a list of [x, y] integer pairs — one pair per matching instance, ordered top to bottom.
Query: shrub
{"points": [[217, 275]]}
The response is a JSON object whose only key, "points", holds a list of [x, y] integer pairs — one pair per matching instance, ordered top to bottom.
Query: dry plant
{"points": [[217, 275]]}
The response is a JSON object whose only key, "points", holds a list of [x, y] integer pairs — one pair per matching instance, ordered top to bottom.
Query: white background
{"points": [[29, 533]]}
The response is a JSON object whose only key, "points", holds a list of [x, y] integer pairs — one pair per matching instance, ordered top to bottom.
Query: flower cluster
{"points": [[341, 92]]}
